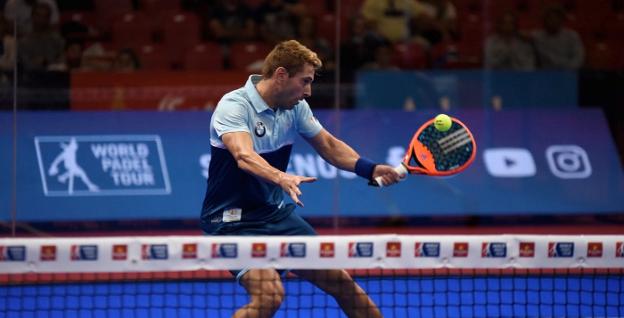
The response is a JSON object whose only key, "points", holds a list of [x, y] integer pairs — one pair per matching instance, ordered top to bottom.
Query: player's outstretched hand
{"points": [[388, 174], [290, 184]]}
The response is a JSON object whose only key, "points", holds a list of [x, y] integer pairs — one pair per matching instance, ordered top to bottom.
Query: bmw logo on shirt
{"points": [[260, 129]]}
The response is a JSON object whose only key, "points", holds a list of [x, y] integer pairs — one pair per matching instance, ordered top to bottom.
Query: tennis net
{"points": [[405, 275]]}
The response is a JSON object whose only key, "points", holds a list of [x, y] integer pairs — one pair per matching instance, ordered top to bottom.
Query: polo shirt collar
{"points": [[256, 100]]}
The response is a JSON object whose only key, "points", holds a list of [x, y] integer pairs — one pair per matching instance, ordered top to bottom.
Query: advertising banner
{"points": [[154, 165]]}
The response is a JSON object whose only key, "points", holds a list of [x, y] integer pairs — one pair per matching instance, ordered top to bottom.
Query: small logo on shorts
{"points": [[260, 129]]}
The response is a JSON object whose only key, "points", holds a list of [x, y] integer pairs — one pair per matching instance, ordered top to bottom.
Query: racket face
{"points": [[440, 153]]}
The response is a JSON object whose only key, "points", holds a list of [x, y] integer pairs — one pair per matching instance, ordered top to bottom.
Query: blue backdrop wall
{"points": [[143, 165]]}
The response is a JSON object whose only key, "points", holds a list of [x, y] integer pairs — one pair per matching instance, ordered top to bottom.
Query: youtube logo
{"points": [[509, 162]]}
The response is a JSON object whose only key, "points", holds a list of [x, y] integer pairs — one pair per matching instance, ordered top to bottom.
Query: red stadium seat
{"points": [[253, 4], [155, 6], [316, 7], [110, 10], [159, 10], [87, 18], [79, 24], [326, 27], [473, 27], [131, 29], [181, 31], [244, 55], [410, 55], [457, 55], [602, 55], [153, 57], [204, 57]]}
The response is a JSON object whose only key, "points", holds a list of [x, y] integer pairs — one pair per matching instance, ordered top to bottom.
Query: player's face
{"points": [[297, 87]]}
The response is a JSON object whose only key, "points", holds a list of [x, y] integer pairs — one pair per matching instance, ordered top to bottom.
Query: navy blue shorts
{"points": [[291, 224]]}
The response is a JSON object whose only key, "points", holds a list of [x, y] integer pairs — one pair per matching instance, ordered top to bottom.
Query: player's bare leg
{"points": [[266, 293], [350, 296]]}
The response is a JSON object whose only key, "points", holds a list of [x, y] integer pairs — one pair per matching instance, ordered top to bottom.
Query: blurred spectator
{"points": [[76, 5], [20, 11], [392, 18], [278, 19], [231, 20], [438, 21], [307, 35], [7, 46], [43, 46], [558, 47], [359, 48], [506, 49], [95, 57], [72, 59], [383, 59], [126, 61]]}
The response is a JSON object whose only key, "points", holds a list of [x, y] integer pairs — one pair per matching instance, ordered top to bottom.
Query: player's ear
{"points": [[281, 74]]}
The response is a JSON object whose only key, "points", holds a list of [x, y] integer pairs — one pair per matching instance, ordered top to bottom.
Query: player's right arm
{"points": [[240, 145]]}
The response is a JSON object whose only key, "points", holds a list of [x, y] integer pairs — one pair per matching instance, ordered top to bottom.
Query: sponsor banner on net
{"points": [[99, 165]]}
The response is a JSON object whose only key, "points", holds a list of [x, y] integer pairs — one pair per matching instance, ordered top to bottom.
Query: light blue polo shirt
{"points": [[232, 194]]}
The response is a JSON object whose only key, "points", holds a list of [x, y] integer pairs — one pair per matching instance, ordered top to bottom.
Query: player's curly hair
{"points": [[290, 55]]}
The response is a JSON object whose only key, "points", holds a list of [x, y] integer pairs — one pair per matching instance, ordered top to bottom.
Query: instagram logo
{"points": [[568, 161]]}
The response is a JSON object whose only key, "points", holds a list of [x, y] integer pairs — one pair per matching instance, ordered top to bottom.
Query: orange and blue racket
{"points": [[437, 153]]}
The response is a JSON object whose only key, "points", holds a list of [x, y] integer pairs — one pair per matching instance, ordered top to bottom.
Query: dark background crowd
{"points": [[124, 35], [48, 37]]}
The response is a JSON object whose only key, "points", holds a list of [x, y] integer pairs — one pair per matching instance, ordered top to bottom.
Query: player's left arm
{"points": [[342, 156]]}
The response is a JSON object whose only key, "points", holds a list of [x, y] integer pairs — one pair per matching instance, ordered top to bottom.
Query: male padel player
{"points": [[251, 135]]}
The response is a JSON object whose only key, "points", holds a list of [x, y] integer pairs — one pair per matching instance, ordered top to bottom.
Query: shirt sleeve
{"points": [[230, 116], [307, 125]]}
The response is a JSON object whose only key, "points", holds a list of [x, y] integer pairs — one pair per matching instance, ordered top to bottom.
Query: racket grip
{"points": [[400, 169]]}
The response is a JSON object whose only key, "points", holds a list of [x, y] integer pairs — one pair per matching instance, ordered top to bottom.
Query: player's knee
{"points": [[269, 299]]}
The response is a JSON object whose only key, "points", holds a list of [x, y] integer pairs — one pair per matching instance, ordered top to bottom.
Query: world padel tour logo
{"points": [[98, 165], [292, 249], [360, 249], [426, 249], [493, 249], [560, 249], [619, 249], [224, 250], [154, 252], [16, 253], [84, 253]]}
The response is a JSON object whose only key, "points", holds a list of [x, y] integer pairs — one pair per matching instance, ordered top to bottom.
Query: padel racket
{"points": [[437, 153]]}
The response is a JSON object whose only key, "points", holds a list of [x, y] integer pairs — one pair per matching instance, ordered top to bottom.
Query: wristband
{"points": [[364, 168]]}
